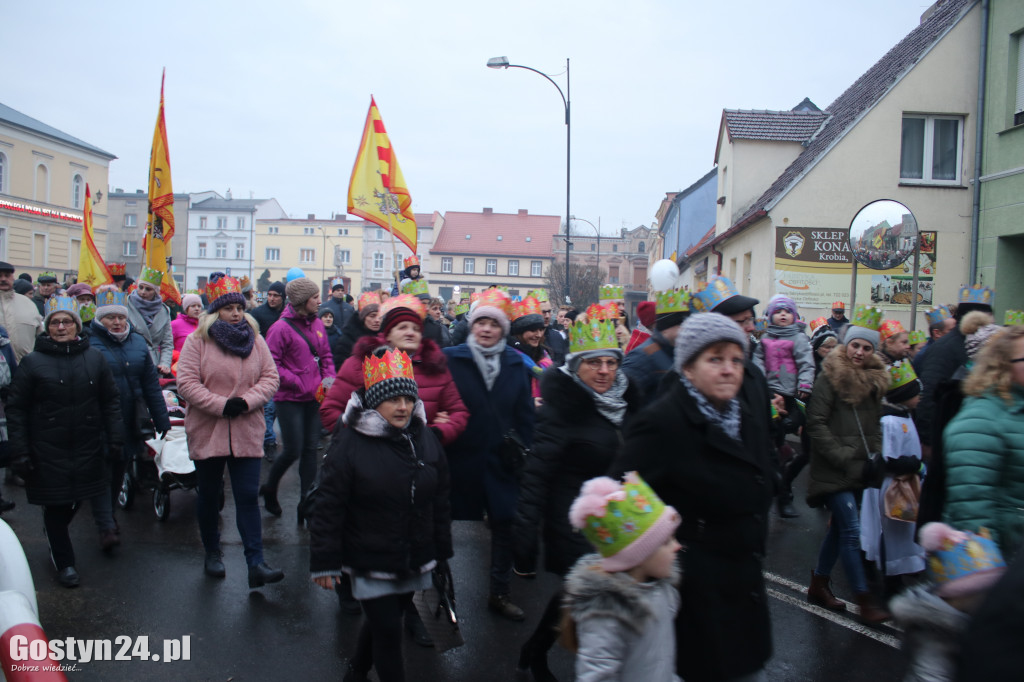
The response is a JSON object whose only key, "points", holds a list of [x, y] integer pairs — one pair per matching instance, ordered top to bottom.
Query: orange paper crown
{"points": [[411, 261], [117, 269], [224, 285], [475, 296], [369, 298], [497, 299], [409, 301], [527, 306], [609, 311], [889, 329], [394, 364]]}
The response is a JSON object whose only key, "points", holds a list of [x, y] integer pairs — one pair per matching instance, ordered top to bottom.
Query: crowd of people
{"points": [[641, 461]]}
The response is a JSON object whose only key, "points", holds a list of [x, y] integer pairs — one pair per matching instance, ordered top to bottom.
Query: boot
{"points": [[270, 500], [784, 503], [6, 505], [214, 565], [262, 574], [820, 593], [503, 606], [870, 612], [532, 658]]}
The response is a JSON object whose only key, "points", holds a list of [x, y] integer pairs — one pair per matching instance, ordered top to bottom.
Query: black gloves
{"points": [[235, 406], [900, 466], [874, 471]]}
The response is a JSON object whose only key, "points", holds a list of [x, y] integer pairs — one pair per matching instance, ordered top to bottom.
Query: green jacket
{"points": [[842, 393], [984, 448]]}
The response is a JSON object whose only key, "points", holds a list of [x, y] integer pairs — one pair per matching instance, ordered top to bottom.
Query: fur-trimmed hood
{"points": [[428, 359], [852, 384], [371, 423], [591, 591]]}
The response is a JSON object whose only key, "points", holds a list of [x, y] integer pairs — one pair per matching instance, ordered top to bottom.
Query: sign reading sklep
{"points": [[36, 655]]}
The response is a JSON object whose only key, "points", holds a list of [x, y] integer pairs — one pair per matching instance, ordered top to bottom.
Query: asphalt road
{"points": [[154, 586]]}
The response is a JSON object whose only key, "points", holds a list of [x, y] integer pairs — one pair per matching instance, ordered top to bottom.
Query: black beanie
{"points": [[277, 287], [668, 320], [904, 393]]}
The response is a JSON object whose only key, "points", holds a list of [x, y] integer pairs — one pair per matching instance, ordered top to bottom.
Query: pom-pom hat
{"points": [[777, 303], [387, 374], [626, 522], [960, 563]]}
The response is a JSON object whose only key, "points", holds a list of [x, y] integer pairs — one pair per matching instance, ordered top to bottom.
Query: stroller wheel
{"points": [[126, 495], [161, 504]]}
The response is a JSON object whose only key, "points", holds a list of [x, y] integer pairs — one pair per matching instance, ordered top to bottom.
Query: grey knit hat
{"points": [[300, 290], [703, 330], [852, 332]]}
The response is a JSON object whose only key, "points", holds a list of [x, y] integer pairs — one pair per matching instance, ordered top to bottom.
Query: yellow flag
{"points": [[377, 190], [160, 226], [91, 268]]}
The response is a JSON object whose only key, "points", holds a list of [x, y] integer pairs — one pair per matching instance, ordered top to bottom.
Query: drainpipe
{"points": [[978, 141], [718, 269]]}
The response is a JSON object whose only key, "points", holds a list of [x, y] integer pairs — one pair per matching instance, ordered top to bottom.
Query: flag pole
{"points": [[394, 255]]}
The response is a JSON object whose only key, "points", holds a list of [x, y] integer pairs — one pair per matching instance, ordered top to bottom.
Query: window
{"points": [[1018, 109], [931, 149], [3, 173], [42, 189], [77, 191], [131, 220], [202, 222], [222, 222], [240, 224], [273, 229], [308, 230], [342, 231], [380, 233], [3, 242], [572, 246], [593, 246], [642, 247], [615, 248], [130, 249], [202, 249], [40, 250], [220, 250], [239, 251], [74, 253], [273, 255], [307, 255], [342, 256], [378, 260], [446, 263], [468, 265], [492, 266], [513, 268], [536, 268], [613, 274]]}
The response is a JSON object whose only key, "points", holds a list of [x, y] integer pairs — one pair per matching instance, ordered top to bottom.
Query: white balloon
{"points": [[664, 274]]}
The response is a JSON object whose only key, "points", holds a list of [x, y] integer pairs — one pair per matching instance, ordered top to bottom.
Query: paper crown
{"points": [[411, 261], [117, 269], [46, 276], [151, 276], [337, 282], [245, 283], [416, 287], [214, 290], [611, 292], [716, 292], [539, 294], [976, 294], [475, 296], [111, 298], [368, 298], [495, 298], [404, 301], [671, 301], [61, 304], [838, 305], [527, 306], [461, 308], [608, 311], [937, 314], [867, 317], [1013, 317], [817, 322], [761, 324], [889, 329], [592, 334], [917, 337], [394, 364], [901, 373], [628, 513], [966, 561]]}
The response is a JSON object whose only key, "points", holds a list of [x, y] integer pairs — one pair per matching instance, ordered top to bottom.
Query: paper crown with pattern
{"points": [[411, 261], [117, 269], [47, 276], [152, 276], [337, 282], [416, 287], [214, 290], [611, 292], [715, 292], [539, 294], [977, 294], [475, 296], [107, 297], [368, 298], [495, 298], [409, 301], [671, 301], [61, 304], [838, 305], [527, 306], [461, 308], [607, 311], [937, 314], [867, 317], [1013, 317], [817, 322], [761, 324], [889, 329], [592, 334], [916, 337], [393, 364], [901, 373], [971, 562]]}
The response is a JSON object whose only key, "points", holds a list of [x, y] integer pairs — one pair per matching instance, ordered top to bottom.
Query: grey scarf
{"points": [[148, 309], [488, 360], [610, 404], [728, 420]]}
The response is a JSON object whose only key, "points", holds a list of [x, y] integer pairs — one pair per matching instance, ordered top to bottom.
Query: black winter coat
{"points": [[266, 316], [353, 330], [334, 340], [944, 358], [646, 364], [63, 411], [573, 443], [723, 490], [383, 499]]}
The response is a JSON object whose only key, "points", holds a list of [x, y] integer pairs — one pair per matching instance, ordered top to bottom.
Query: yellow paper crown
{"points": [[539, 294], [404, 301], [671, 301], [867, 317], [394, 364]]}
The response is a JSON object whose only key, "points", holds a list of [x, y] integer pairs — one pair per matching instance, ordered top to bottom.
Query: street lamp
{"points": [[502, 63], [598, 231]]}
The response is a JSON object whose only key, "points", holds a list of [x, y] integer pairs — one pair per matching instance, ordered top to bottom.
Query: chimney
{"points": [[228, 194], [488, 211], [523, 211], [311, 216]]}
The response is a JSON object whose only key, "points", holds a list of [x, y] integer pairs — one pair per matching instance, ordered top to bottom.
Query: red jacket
{"points": [[434, 381]]}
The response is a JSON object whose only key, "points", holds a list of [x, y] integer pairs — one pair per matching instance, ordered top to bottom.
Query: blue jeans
{"points": [[269, 415], [300, 434], [245, 481], [843, 541]]}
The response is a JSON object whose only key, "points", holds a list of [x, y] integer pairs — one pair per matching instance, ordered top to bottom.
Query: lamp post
{"points": [[502, 63], [598, 231]]}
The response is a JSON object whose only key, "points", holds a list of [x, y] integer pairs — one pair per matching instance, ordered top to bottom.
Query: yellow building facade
{"points": [[324, 249]]}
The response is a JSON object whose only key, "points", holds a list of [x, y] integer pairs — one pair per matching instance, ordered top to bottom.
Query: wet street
{"points": [[154, 586]]}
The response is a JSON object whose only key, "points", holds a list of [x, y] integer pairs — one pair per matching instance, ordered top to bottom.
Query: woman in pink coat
{"points": [[186, 323], [226, 374]]}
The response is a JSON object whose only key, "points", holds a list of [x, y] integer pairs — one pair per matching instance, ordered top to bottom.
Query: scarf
{"points": [[148, 309], [120, 336], [234, 338], [488, 360], [610, 404], [728, 419]]}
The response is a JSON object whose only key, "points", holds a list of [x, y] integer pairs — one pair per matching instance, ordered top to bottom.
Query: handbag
{"points": [[512, 452], [874, 458], [903, 498], [436, 608]]}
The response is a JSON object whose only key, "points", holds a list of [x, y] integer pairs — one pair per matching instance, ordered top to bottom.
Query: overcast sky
{"points": [[269, 98]]}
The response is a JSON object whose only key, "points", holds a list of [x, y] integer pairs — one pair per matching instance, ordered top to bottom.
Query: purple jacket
{"points": [[300, 375]]}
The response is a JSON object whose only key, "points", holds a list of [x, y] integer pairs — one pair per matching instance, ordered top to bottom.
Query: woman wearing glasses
{"points": [[584, 406]]}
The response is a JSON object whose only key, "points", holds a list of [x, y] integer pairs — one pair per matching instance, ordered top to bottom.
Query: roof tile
{"points": [[500, 234]]}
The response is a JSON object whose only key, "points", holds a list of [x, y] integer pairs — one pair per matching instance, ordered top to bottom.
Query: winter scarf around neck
{"points": [[148, 309], [119, 336], [234, 338], [488, 360], [610, 404], [728, 420]]}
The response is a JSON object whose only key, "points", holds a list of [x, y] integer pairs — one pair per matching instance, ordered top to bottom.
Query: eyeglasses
{"points": [[62, 323], [1017, 360], [598, 364]]}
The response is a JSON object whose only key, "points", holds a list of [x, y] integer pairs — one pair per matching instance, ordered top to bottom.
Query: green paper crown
{"points": [[48, 275], [151, 276], [416, 287], [611, 292], [540, 294], [672, 301], [462, 308], [867, 317], [1014, 317], [592, 335], [917, 336], [901, 373], [624, 520]]}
